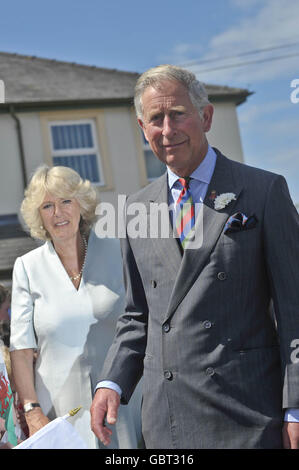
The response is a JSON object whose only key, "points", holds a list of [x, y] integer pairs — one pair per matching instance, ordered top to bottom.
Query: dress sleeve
{"points": [[22, 334]]}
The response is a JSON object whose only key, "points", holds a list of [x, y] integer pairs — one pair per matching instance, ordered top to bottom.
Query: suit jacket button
{"points": [[222, 276], [154, 283], [207, 324], [166, 327], [210, 371], [168, 375]]}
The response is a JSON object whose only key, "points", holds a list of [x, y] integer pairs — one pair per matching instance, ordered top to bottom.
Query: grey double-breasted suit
{"points": [[218, 370]]}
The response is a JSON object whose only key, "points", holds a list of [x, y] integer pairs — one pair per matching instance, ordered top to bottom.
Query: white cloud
{"points": [[245, 4], [275, 22], [271, 23], [181, 51], [252, 112], [284, 129], [290, 157], [281, 161]]}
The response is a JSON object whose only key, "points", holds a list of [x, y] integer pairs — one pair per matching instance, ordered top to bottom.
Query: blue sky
{"points": [[133, 35]]}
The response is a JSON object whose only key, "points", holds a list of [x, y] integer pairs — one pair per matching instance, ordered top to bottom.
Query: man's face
{"points": [[173, 127]]}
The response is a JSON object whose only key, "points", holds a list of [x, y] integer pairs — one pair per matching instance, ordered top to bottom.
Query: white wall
{"points": [[225, 134], [32, 140], [122, 153], [11, 183]]}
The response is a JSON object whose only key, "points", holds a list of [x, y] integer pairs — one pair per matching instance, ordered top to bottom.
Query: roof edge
{"points": [[75, 64], [237, 97], [29, 106]]}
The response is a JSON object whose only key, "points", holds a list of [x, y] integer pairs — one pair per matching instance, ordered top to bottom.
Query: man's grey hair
{"points": [[154, 76]]}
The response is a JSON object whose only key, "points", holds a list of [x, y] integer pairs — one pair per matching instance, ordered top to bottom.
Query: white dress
{"points": [[72, 330]]}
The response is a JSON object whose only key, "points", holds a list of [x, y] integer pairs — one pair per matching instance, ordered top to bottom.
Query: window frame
{"points": [[97, 117], [140, 146], [146, 147], [80, 150]]}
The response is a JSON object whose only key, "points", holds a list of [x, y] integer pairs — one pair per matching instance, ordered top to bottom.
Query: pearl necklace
{"points": [[75, 278]]}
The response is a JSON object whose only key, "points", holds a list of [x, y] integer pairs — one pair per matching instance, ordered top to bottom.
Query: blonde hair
{"points": [[154, 76], [59, 181]]}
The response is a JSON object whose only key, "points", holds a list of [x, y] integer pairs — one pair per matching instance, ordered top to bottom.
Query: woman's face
{"points": [[60, 217]]}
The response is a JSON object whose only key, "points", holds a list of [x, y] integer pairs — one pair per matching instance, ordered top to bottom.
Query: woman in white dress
{"points": [[66, 297]]}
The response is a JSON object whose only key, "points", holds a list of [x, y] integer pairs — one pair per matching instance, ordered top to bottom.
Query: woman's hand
{"points": [[35, 420]]}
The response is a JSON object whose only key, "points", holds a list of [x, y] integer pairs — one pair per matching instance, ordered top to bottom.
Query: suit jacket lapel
{"points": [[212, 224], [167, 248]]}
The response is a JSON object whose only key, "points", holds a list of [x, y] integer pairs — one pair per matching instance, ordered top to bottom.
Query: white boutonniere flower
{"points": [[222, 200]]}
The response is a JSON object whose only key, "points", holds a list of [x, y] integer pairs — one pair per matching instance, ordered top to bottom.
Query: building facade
{"points": [[60, 113]]}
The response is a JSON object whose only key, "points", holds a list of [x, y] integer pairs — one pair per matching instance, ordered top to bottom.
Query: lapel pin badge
{"points": [[213, 195]]}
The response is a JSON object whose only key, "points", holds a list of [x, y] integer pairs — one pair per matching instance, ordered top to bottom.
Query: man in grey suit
{"points": [[218, 370]]}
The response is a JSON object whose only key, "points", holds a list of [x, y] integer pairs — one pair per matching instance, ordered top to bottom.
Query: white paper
{"points": [[58, 434]]}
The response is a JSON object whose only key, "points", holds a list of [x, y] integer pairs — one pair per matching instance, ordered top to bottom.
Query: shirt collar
{"points": [[202, 173]]}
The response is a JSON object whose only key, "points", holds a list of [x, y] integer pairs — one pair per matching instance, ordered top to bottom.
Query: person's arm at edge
{"points": [[281, 219], [22, 368]]}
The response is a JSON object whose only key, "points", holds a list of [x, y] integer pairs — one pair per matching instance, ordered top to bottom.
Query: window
{"points": [[74, 144], [154, 167]]}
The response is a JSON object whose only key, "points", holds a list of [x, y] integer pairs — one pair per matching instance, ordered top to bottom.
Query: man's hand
{"points": [[105, 405], [290, 435]]}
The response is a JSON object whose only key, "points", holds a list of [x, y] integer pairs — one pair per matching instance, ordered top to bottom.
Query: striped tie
{"points": [[185, 219]]}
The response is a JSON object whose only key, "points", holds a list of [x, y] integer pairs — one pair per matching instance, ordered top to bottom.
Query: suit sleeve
{"points": [[281, 231], [22, 335], [124, 361]]}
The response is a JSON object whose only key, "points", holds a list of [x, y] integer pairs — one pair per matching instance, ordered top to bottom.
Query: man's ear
{"points": [[207, 117], [142, 127]]}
